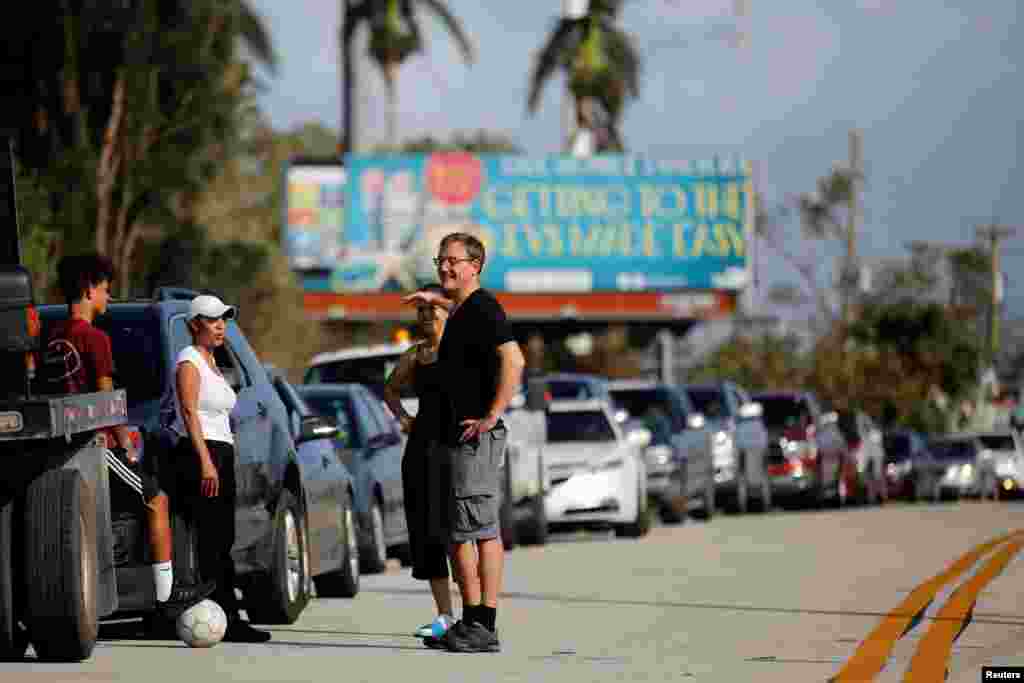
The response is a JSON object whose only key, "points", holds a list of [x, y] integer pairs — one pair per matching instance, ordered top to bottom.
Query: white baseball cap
{"points": [[210, 306]]}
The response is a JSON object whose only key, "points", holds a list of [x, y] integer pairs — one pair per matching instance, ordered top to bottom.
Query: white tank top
{"points": [[216, 399]]}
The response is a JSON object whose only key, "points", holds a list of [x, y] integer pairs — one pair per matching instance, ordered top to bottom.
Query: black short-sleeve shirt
{"points": [[469, 358]]}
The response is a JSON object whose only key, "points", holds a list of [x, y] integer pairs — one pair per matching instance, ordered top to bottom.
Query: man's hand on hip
{"points": [[474, 428]]}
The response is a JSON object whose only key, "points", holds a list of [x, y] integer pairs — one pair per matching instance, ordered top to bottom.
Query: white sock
{"points": [[163, 577]]}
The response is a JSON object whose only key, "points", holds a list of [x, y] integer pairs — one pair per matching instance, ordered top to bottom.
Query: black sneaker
{"points": [[184, 596], [242, 632], [472, 637]]}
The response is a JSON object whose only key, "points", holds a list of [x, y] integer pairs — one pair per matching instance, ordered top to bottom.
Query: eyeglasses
{"points": [[451, 261]]}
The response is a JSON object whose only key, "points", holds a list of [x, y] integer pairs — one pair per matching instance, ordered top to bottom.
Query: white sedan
{"points": [[597, 471]]}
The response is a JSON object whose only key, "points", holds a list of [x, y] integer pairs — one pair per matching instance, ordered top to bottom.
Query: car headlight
{"points": [[721, 439], [791, 447], [658, 455], [609, 465], [966, 472]]}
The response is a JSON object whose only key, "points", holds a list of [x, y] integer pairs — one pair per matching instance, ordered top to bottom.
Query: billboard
{"points": [[314, 214], [550, 225]]}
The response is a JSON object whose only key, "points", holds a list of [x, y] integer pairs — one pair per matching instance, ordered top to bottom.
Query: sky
{"points": [[934, 85]]}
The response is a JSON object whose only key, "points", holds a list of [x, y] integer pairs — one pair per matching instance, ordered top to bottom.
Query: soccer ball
{"points": [[202, 624]]}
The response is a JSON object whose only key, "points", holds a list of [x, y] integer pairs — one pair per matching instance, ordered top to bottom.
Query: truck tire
{"points": [[60, 566], [344, 581], [283, 593], [12, 638]]}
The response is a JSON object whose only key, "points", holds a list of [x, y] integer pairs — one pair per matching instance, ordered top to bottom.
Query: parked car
{"points": [[367, 365], [574, 386], [315, 441], [739, 442], [371, 446], [865, 448], [807, 454], [1007, 459], [968, 467], [911, 470], [680, 472], [598, 474], [522, 506], [278, 543]]}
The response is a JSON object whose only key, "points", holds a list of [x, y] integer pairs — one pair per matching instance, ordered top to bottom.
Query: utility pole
{"points": [[348, 85], [994, 234], [851, 274]]}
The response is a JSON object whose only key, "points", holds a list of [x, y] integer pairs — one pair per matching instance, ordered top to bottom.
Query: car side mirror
{"points": [[750, 411], [695, 421], [317, 427], [639, 437], [382, 440]]}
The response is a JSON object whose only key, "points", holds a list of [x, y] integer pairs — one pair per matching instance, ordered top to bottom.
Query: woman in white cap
{"points": [[205, 456]]}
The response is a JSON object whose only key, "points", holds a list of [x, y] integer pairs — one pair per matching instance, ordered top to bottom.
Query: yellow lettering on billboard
{"points": [[732, 207], [553, 233], [730, 238], [602, 239], [534, 241], [678, 241], [701, 244], [510, 245], [649, 249]]}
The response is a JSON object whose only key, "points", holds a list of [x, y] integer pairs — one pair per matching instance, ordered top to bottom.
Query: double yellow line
{"points": [[932, 655]]}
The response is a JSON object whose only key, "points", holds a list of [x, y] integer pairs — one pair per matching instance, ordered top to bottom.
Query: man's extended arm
{"points": [[510, 376]]}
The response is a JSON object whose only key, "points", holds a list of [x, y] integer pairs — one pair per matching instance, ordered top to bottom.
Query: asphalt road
{"points": [[788, 596]]}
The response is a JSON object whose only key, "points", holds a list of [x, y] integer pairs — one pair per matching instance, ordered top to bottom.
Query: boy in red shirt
{"points": [[89, 367]]}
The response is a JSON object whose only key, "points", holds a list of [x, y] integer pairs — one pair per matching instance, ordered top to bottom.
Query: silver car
{"points": [[1007, 459], [969, 470]]}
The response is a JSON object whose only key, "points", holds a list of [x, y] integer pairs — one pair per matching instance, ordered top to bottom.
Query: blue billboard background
{"points": [[553, 224]]}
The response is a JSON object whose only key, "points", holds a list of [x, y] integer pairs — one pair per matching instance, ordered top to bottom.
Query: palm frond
{"points": [[454, 27], [254, 34], [555, 53], [625, 59]]}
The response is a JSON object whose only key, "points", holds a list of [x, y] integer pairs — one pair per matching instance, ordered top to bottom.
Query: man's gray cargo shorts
{"points": [[477, 467]]}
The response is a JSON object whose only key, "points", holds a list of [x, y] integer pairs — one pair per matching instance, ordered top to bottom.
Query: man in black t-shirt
{"points": [[483, 367]]}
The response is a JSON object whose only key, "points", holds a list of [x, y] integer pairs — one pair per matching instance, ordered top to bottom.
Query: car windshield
{"points": [[137, 348], [372, 371], [571, 390], [708, 402], [655, 408], [783, 412], [589, 425], [998, 442], [896, 446], [953, 450]]}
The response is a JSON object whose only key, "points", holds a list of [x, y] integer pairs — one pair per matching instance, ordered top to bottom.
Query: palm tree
{"points": [[395, 36], [601, 62]]}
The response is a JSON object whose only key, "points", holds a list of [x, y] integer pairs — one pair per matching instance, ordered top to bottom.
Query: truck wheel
{"points": [[60, 566], [343, 582], [285, 591], [12, 637]]}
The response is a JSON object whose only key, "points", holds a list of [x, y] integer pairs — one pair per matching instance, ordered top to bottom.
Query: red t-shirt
{"points": [[86, 354]]}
